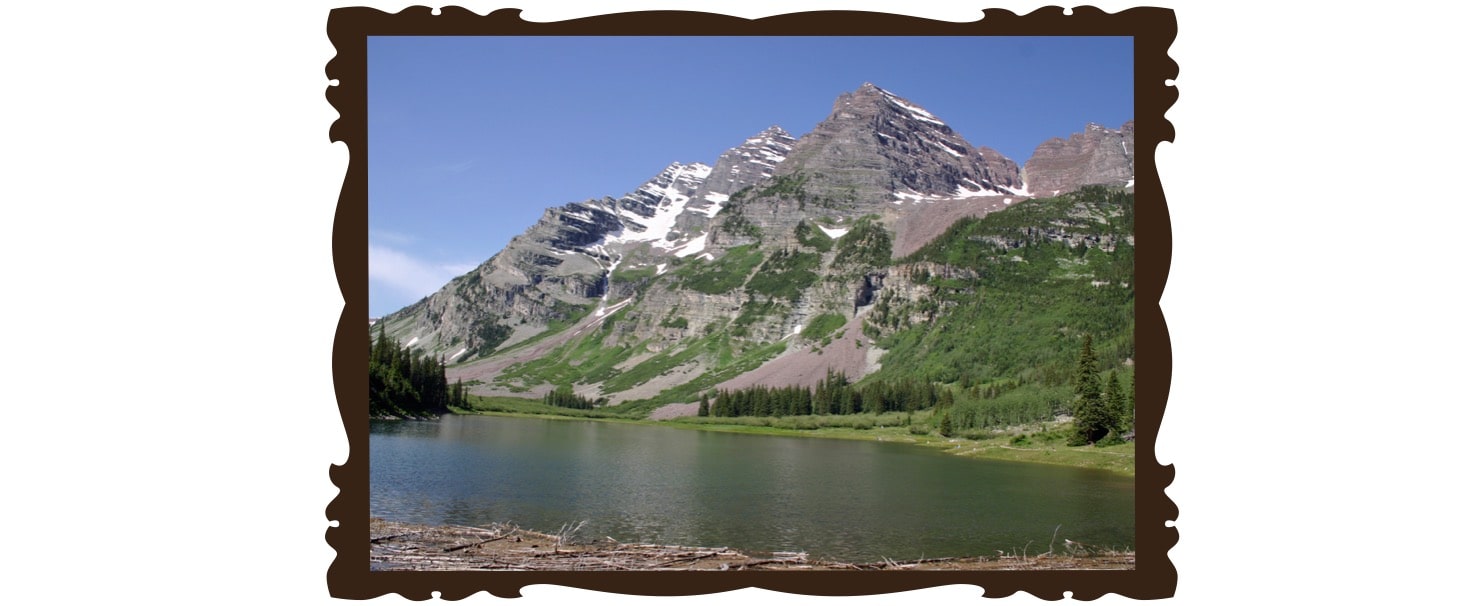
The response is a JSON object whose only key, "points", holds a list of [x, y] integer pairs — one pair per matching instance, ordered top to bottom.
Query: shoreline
{"points": [[1117, 459], [405, 546]]}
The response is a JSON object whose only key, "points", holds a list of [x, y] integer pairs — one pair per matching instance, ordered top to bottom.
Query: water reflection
{"points": [[836, 499]]}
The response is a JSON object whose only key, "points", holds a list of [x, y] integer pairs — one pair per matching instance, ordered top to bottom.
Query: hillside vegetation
{"points": [[1032, 282], [983, 327]]}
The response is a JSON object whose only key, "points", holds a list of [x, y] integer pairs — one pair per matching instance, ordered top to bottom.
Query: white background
{"points": [[168, 191]]}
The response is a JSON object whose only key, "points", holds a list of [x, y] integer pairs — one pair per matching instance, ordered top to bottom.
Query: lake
{"points": [[844, 500]]}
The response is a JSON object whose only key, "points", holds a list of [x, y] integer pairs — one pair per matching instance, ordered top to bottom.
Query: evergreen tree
{"points": [[381, 352], [403, 383], [1087, 384], [459, 397], [564, 397], [872, 398], [1113, 400], [721, 404], [703, 405], [1092, 420], [946, 427]]}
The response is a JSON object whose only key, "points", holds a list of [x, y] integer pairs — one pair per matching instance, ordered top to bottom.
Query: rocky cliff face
{"points": [[876, 144], [874, 152], [1096, 156], [750, 163], [1002, 170], [560, 268]]}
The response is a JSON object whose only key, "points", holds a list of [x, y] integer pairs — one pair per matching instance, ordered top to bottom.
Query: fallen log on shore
{"points": [[402, 546]]}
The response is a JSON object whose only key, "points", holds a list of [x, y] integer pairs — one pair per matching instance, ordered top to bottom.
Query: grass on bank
{"points": [[513, 406], [1040, 443], [1045, 443]]}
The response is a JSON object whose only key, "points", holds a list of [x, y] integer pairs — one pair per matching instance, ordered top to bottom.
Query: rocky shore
{"points": [[402, 546]]}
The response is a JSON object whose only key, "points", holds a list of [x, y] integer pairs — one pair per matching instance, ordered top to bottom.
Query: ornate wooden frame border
{"points": [[1153, 29]]}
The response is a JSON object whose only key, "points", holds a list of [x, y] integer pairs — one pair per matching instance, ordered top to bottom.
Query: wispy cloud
{"points": [[413, 277]]}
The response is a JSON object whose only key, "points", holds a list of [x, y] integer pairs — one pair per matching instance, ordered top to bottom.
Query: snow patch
{"points": [[917, 112], [947, 148], [1130, 183], [1022, 191], [961, 193], [910, 195], [670, 203], [711, 210], [582, 215], [833, 233], [693, 246], [596, 251], [708, 256], [661, 268], [603, 310], [412, 342], [459, 353]]}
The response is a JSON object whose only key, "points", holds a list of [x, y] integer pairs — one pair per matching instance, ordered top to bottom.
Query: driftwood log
{"points": [[400, 546]]}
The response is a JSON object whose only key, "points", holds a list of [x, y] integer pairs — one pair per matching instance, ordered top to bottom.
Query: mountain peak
{"points": [[871, 98], [774, 130], [769, 136], [877, 145], [1096, 155], [751, 162]]}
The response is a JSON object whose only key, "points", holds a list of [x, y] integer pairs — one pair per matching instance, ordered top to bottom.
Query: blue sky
{"points": [[470, 139]]}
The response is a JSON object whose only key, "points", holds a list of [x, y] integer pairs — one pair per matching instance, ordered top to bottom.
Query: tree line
{"points": [[406, 384], [833, 395], [565, 397], [1102, 407], [1102, 410]]}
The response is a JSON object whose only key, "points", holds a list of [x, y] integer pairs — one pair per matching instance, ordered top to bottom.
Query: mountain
{"points": [[876, 144], [1096, 156], [787, 260], [552, 272]]}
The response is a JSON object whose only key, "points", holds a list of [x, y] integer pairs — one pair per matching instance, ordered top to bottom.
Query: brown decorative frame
{"points": [[1153, 29]]}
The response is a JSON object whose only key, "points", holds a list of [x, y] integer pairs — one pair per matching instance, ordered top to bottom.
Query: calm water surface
{"points": [[834, 499]]}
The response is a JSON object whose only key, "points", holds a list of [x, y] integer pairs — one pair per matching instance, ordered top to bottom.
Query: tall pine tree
{"points": [[1114, 402], [1092, 420]]}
